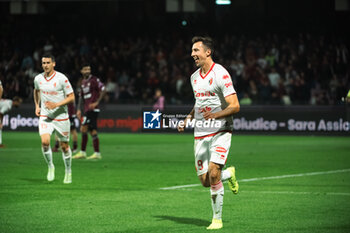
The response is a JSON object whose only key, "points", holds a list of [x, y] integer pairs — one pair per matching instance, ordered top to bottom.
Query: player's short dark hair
{"points": [[206, 40], [49, 55], [85, 65]]}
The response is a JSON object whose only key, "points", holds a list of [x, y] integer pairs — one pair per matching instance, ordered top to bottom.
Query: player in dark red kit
{"points": [[91, 93]]}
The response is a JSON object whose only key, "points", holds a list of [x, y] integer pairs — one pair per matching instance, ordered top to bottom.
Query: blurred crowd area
{"points": [[269, 69]]}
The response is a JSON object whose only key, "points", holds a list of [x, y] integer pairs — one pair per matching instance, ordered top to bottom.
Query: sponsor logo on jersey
{"points": [[50, 92], [202, 94], [220, 149]]}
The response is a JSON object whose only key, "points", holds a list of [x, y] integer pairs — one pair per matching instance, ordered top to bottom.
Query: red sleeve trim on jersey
{"points": [[200, 72], [213, 134]]}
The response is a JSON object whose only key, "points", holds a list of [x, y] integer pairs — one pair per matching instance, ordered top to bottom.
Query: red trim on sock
{"points": [[216, 187]]}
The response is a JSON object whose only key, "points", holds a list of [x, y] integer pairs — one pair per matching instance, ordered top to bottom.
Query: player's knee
{"points": [[83, 129], [45, 143], [64, 146], [214, 175], [204, 180], [206, 184]]}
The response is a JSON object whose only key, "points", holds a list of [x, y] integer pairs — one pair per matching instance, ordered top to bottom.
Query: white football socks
{"points": [[0, 136], [47, 152], [67, 159], [217, 199]]}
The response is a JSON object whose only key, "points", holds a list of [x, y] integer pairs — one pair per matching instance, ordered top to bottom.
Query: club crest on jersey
{"points": [[225, 76], [211, 81], [54, 84], [228, 84]]}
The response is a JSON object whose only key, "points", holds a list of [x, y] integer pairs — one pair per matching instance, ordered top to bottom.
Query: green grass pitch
{"points": [[307, 188]]}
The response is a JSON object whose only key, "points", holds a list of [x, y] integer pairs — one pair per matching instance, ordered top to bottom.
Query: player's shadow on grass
{"points": [[32, 180], [182, 220]]}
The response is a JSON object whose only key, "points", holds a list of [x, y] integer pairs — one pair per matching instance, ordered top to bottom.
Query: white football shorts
{"points": [[61, 128], [211, 149]]}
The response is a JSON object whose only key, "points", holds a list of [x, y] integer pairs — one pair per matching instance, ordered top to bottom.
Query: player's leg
{"points": [[45, 131], [63, 132], [73, 133], [94, 135], [84, 138], [57, 144], [220, 149], [47, 153], [201, 157], [67, 159], [209, 174], [217, 194]]}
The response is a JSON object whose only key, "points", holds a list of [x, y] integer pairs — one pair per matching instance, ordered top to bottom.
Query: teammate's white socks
{"points": [[0, 136], [47, 152], [67, 159], [225, 175], [217, 199]]}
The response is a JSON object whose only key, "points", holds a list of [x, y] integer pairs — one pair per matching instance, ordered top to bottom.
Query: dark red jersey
{"points": [[91, 89]]}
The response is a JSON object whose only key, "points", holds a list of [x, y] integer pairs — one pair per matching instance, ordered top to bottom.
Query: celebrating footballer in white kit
{"points": [[54, 92], [216, 101]]}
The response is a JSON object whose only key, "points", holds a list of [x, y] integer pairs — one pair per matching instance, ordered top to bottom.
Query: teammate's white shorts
{"points": [[62, 128], [211, 149]]}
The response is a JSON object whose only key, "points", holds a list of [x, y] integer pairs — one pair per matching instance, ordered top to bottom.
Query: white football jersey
{"points": [[55, 89], [210, 91], [5, 106]]}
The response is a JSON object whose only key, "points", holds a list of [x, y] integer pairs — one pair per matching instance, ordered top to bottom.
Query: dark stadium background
{"points": [[106, 26]]}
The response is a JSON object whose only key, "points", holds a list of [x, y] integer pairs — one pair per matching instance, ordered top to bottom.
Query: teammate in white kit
{"points": [[52, 93], [216, 101], [6, 106]]}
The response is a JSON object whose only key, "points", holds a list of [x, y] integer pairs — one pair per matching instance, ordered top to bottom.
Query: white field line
{"points": [[266, 178], [276, 192]]}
